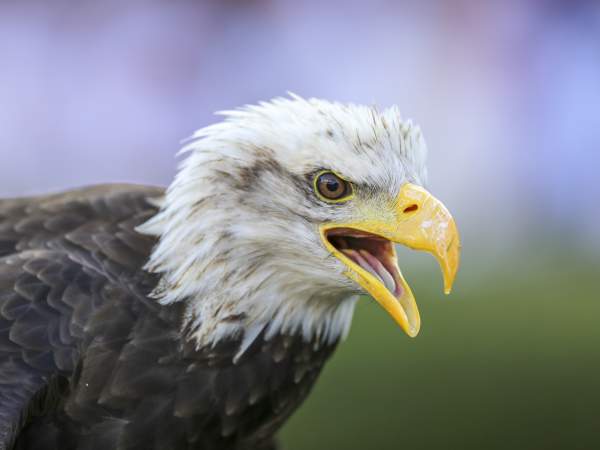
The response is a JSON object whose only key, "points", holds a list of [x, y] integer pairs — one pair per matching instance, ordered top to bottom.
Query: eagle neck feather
{"points": [[232, 283]]}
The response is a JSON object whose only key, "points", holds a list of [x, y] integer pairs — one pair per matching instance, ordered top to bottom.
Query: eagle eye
{"points": [[331, 187]]}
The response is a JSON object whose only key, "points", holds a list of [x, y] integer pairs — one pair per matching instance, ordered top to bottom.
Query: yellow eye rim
{"points": [[345, 198]]}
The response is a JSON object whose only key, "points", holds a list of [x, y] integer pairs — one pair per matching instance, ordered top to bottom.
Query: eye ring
{"points": [[332, 188]]}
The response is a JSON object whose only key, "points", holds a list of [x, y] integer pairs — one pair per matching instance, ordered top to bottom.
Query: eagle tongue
{"points": [[355, 256], [372, 265], [384, 275]]}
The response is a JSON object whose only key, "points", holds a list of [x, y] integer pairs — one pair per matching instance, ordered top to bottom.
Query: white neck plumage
{"points": [[234, 282]]}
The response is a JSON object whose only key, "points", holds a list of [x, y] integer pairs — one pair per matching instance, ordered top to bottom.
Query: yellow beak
{"points": [[418, 221]]}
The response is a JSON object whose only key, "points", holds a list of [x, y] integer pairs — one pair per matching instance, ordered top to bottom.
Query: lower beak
{"points": [[419, 221]]}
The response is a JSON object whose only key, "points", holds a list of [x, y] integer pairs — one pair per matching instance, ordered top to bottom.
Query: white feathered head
{"points": [[284, 212]]}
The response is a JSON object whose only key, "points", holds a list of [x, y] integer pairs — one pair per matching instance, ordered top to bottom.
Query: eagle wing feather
{"points": [[51, 264]]}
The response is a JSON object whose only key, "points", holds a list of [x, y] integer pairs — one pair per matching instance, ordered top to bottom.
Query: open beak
{"points": [[366, 247]]}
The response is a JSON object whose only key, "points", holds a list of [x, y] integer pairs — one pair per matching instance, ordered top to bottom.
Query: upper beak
{"points": [[418, 221]]}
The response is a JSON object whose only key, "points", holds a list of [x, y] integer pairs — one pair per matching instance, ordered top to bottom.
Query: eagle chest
{"points": [[156, 393]]}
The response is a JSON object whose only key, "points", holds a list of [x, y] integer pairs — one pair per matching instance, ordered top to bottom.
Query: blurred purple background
{"points": [[507, 93]]}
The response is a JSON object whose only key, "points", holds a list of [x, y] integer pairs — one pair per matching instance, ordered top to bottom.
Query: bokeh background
{"points": [[508, 96]]}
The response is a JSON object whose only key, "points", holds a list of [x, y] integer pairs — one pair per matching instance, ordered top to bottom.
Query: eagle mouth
{"points": [[373, 254], [372, 263]]}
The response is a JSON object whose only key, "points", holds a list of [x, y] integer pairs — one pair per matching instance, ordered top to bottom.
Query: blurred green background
{"points": [[510, 360]]}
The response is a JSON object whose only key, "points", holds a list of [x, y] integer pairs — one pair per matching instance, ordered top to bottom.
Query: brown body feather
{"points": [[89, 361]]}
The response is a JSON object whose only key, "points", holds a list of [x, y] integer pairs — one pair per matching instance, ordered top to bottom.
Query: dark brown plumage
{"points": [[89, 361]]}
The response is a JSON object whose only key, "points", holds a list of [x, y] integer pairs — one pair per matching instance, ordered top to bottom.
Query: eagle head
{"points": [[283, 213]]}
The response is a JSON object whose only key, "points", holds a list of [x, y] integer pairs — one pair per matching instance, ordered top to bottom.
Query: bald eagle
{"points": [[200, 316]]}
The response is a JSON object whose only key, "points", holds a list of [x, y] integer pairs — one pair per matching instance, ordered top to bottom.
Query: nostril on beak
{"points": [[411, 208]]}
